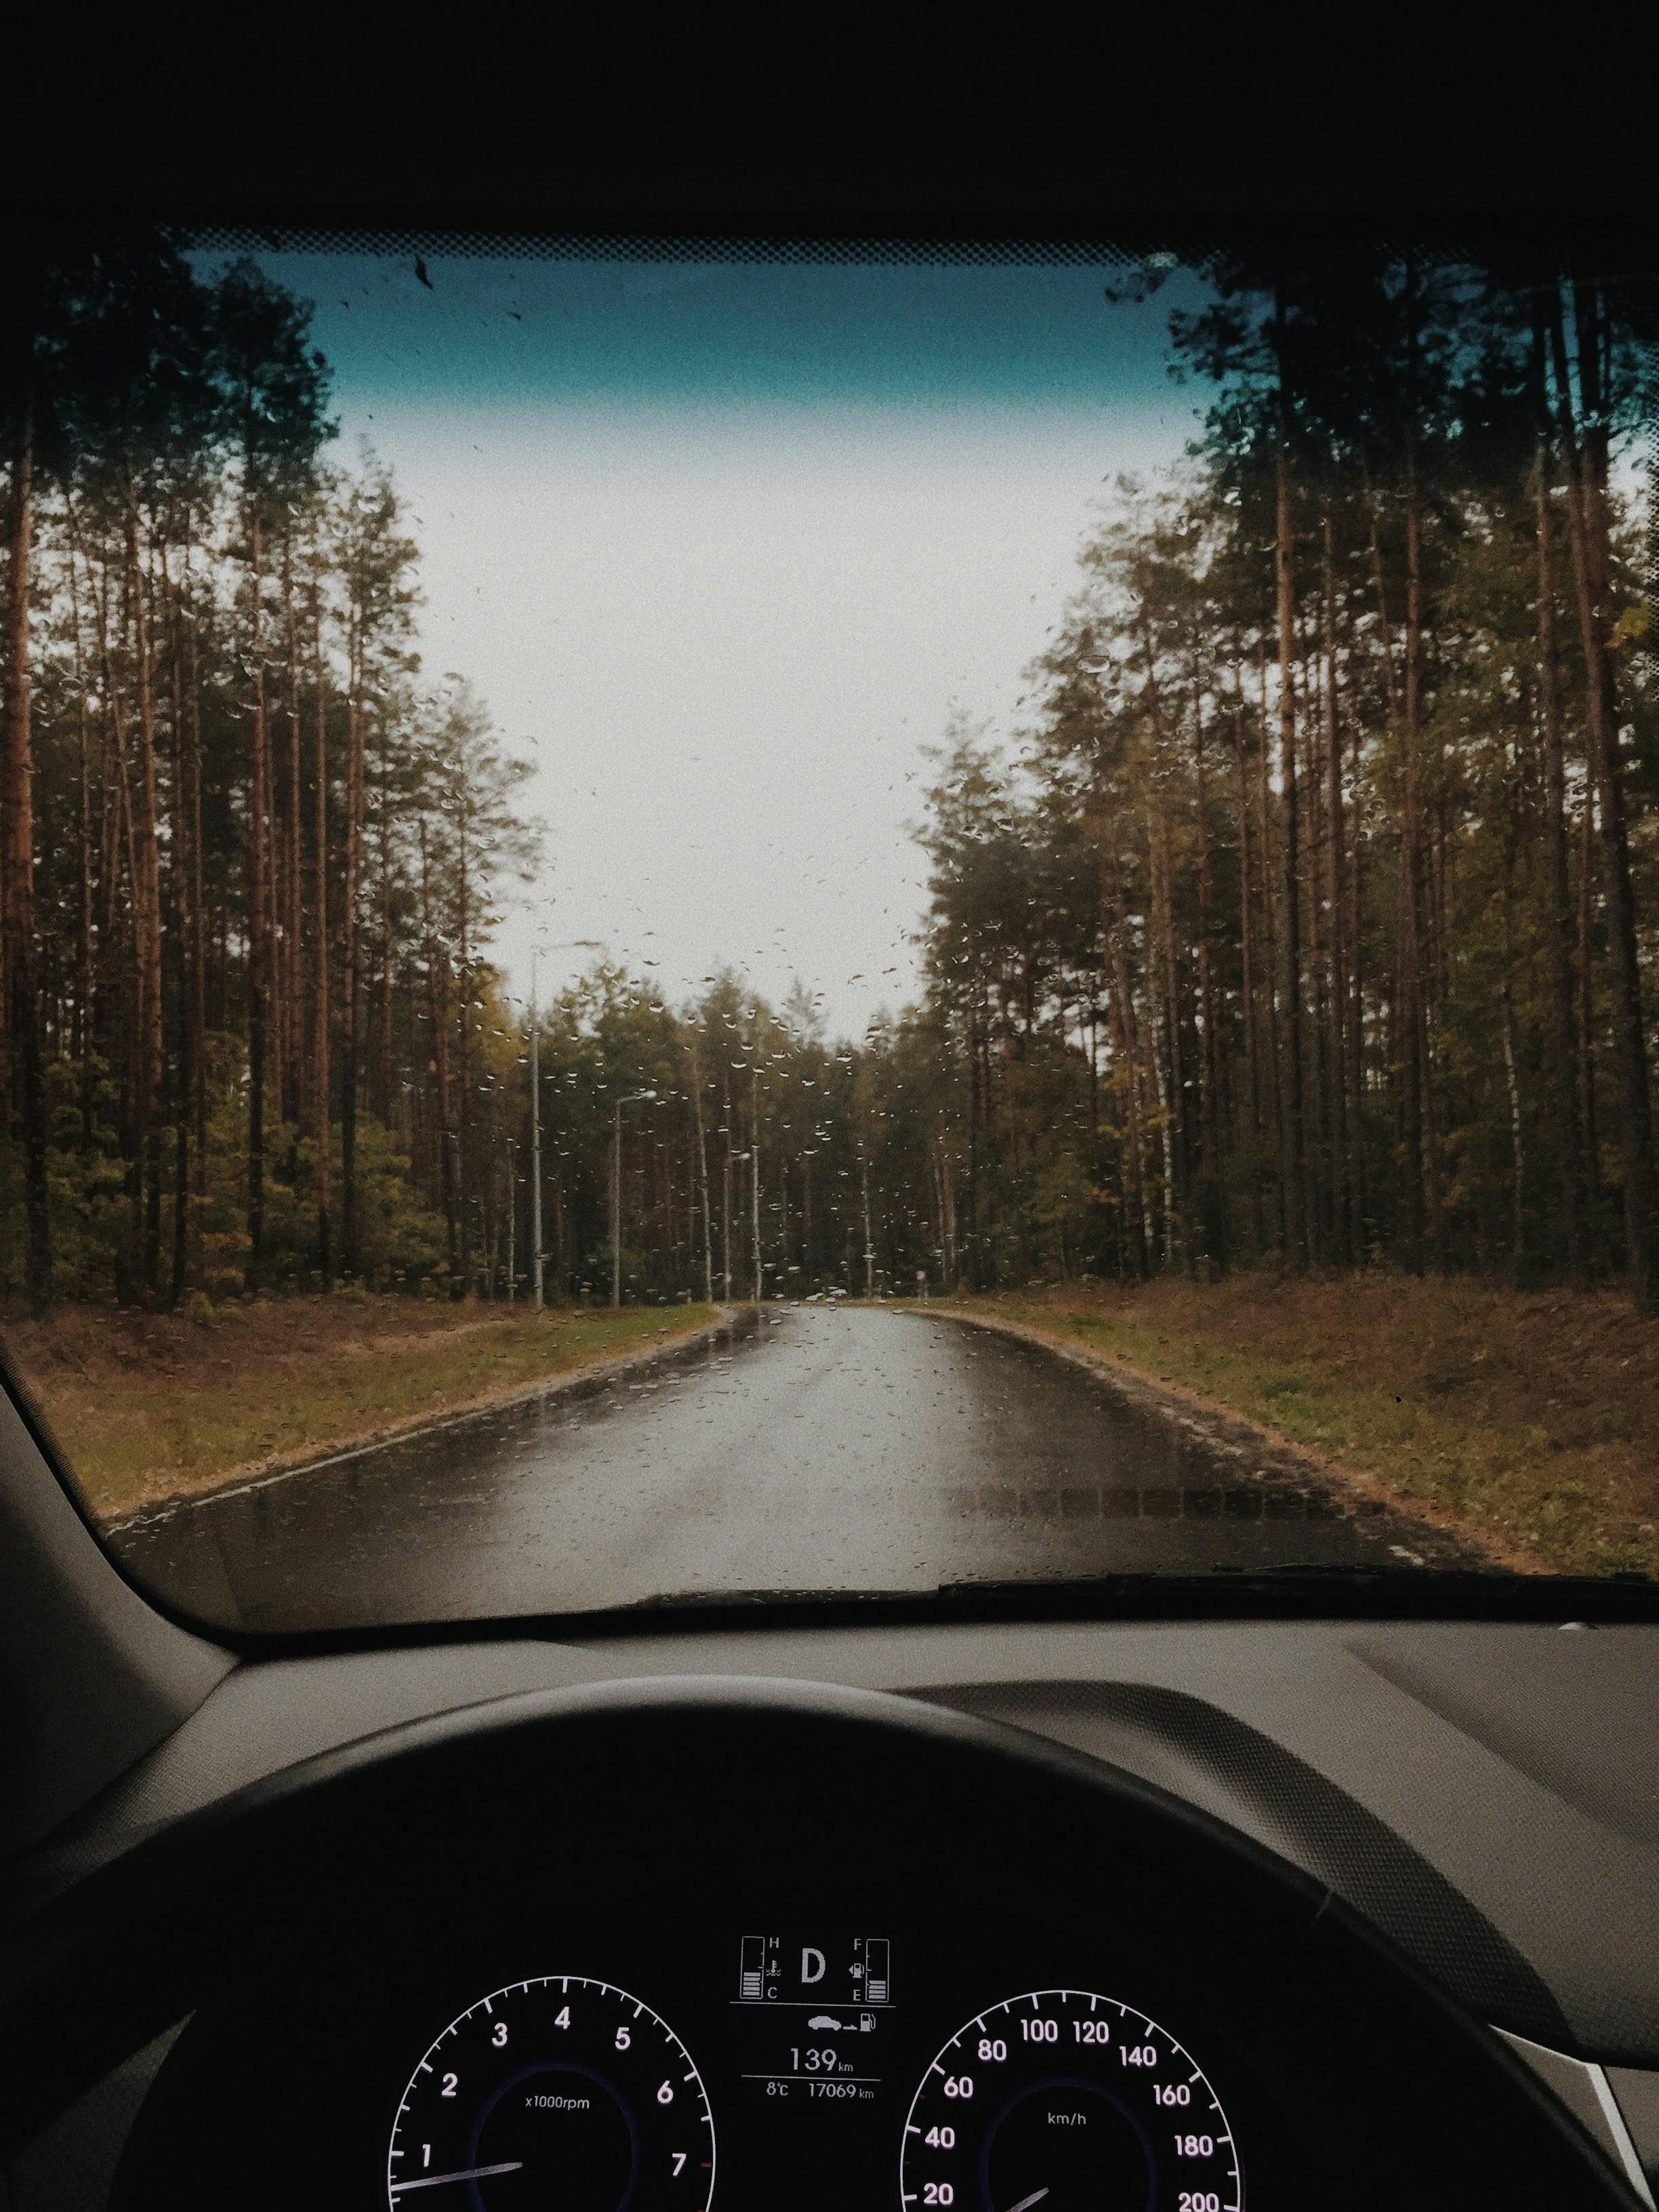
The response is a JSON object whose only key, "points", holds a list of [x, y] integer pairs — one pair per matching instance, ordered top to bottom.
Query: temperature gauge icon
{"points": [[751, 1973]]}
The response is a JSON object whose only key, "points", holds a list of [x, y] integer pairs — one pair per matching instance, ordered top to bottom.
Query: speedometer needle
{"points": [[514, 2165], [1026, 2203]]}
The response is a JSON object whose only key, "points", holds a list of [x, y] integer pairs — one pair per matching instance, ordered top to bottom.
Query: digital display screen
{"points": [[812, 2012]]}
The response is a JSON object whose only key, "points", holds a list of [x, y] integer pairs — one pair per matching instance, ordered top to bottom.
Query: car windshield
{"points": [[687, 918]]}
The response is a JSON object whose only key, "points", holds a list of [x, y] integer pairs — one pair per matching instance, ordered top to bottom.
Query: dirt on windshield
{"points": [[147, 1405], [1525, 1415]]}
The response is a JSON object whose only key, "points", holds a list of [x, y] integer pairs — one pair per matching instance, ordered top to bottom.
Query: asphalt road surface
{"points": [[853, 1450]]}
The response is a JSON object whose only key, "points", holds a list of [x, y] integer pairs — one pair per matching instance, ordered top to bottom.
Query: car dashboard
{"points": [[987, 1914]]}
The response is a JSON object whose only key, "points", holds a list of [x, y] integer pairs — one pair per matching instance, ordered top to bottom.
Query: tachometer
{"points": [[556, 2091], [1064, 2099]]}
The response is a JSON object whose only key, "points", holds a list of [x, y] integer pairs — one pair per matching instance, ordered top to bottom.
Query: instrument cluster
{"points": [[808, 2060]]}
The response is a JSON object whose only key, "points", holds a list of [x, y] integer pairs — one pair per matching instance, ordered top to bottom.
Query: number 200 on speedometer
{"points": [[1067, 2101]]}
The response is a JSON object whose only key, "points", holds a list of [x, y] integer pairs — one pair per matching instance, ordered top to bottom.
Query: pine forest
{"points": [[1306, 920]]}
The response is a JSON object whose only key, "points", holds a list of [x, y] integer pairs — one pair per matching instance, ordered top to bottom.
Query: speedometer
{"points": [[558, 2091], [1064, 2099]]}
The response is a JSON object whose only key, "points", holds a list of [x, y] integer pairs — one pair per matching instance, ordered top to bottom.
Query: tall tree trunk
{"points": [[1586, 456], [1311, 780], [179, 841], [1267, 873], [146, 919], [198, 924], [1115, 924], [257, 926], [351, 968], [85, 970], [276, 980], [1248, 990], [123, 999], [437, 1012], [1412, 1013], [293, 1028], [22, 1037], [1166, 1046], [463, 1057], [1209, 1062], [1168, 1065], [1511, 1073], [1564, 1073], [695, 1074], [322, 1084], [383, 1089], [1587, 1104], [1216, 1105], [1290, 1132], [1359, 1170], [754, 1182], [1341, 1190], [725, 1191], [948, 1207], [805, 1218], [869, 1236], [561, 1252]]}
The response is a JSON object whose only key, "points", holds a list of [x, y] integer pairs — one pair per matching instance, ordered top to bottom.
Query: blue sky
{"points": [[723, 545]]}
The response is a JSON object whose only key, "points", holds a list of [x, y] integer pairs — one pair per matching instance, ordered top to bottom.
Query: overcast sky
{"points": [[722, 545]]}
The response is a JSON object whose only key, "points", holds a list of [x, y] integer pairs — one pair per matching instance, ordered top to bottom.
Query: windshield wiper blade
{"points": [[1277, 1589]]}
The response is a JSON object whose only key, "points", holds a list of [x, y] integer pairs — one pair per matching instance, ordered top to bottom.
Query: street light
{"points": [[633, 1099]]}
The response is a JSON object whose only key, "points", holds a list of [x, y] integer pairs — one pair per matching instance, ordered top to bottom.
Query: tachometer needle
{"points": [[513, 2165], [1026, 2203]]}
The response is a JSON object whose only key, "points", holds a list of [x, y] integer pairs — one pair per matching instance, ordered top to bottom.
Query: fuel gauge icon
{"points": [[875, 1969]]}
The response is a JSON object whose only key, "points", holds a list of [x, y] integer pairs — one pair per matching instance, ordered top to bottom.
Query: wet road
{"points": [[851, 1450]]}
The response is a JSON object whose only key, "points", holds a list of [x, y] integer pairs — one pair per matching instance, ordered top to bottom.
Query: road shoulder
{"points": [[596, 1373], [1240, 1437]]}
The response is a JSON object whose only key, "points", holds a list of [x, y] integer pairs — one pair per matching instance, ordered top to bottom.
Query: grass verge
{"points": [[143, 1407], [1528, 1419]]}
